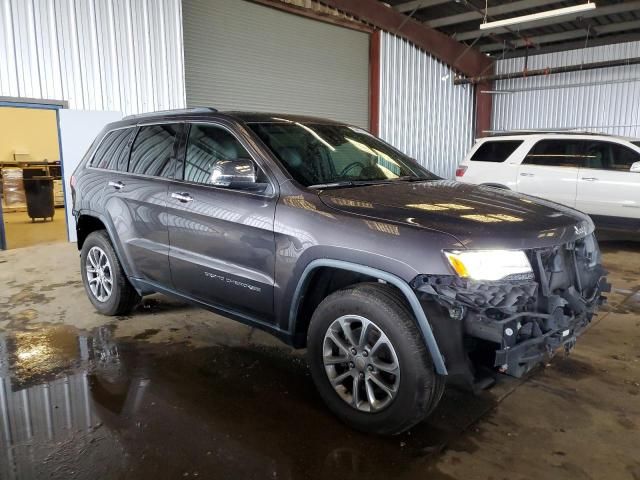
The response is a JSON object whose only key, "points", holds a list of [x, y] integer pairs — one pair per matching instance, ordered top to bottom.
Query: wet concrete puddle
{"points": [[83, 404]]}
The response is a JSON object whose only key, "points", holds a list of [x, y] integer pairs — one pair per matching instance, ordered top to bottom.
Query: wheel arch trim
{"points": [[115, 242], [414, 303]]}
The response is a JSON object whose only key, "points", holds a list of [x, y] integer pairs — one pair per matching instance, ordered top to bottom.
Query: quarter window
{"points": [[495, 150], [152, 152], [112, 153], [556, 153]]}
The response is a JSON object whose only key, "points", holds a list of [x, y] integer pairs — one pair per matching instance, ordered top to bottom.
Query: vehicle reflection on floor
{"points": [[79, 404], [49, 413]]}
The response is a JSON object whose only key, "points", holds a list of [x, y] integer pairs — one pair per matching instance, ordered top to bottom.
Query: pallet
{"points": [[14, 208]]}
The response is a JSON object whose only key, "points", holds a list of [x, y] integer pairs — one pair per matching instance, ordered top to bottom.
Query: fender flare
{"points": [[108, 226], [421, 318]]}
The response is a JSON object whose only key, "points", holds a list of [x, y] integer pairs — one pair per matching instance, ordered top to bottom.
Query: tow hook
{"points": [[569, 344]]}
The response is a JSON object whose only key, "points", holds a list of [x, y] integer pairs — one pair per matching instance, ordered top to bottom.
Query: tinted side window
{"points": [[209, 144], [495, 151], [152, 152], [112, 153], [556, 153], [610, 156], [622, 157]]}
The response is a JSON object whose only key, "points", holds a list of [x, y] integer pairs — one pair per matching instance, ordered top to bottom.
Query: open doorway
{"points": [[31, 179]]}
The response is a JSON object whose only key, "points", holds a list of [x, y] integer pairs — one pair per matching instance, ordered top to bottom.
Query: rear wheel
{"points": [[104, 279], [369, 361]]}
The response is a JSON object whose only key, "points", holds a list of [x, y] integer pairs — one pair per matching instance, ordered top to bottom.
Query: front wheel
{"points": [[369, 361]]}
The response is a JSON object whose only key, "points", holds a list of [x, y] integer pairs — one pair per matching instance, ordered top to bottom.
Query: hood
{"points": [[479, 217]]}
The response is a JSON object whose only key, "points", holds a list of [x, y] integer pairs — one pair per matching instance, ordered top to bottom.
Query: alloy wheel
{"points": [[99, 274], [361, 363]]}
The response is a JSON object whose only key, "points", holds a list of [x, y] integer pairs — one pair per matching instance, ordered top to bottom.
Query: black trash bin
{"points": [[39, 193]]}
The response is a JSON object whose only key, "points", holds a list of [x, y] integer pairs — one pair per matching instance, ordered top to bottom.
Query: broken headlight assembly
{"points": [[491, 265]]}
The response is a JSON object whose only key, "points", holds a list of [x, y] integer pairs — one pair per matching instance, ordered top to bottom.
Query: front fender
{"points": [[403, 286]]}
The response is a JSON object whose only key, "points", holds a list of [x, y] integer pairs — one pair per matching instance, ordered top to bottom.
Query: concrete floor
{"points": [[20, 231], [175, 392]]}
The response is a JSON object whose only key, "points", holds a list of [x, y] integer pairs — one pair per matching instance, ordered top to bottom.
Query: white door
{"points": [[78, 129], [550, 171], [606, 186]]}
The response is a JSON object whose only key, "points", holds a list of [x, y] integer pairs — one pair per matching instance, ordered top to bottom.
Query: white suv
{"points": [[597, 174]]}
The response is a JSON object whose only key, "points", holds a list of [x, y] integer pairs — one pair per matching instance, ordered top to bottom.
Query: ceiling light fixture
{"points": [[535, 17]]}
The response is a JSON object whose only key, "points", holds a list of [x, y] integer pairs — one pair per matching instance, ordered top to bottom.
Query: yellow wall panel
{"points": [[30, 130]]}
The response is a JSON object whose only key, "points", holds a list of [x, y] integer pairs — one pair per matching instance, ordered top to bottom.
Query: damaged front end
{"points": [[523, 320]]}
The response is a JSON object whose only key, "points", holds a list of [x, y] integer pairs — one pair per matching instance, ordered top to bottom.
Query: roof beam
{"points": [[417, 5], [491, 11], [598, 12], [568, 35], [538, 40], [575, 45], [466, 60]]}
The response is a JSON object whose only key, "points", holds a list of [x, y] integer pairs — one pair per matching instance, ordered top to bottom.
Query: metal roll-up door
{"points": [[244, 56]]}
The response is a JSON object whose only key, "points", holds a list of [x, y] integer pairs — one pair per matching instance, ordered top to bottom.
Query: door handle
{"points": [[523, 174], [589, 179], [117, 185], [183, 197]]}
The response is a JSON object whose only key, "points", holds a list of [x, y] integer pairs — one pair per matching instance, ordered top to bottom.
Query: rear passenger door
{"points": [[550, 170], [606, 186], [136, 201], [222, 239]]}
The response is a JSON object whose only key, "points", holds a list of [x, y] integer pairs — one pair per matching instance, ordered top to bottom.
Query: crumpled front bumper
{"points": [[527, 321]]}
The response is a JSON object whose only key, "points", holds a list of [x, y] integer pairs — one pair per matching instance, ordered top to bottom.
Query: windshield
{"points": [[322, 155]]}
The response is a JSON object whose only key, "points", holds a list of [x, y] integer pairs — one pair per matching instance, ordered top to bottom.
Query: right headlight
{"points": [[489, 264]]}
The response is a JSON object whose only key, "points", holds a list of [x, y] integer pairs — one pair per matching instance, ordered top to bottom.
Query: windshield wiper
{"points": [[411, 178], [362, 183], [346, 184], [324, 186]]}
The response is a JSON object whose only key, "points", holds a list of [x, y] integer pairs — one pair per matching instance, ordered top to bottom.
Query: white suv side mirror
{"points": [[635, 167]]}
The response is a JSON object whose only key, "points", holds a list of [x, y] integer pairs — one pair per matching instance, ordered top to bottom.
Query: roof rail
{"points": [[172, 112], [559, 131]]}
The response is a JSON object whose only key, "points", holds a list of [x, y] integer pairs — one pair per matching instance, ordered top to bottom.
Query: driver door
{"points": [[222, 248]]}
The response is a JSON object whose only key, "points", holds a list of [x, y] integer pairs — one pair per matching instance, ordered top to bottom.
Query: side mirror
{"points": [[635, 167], [239, 173]]}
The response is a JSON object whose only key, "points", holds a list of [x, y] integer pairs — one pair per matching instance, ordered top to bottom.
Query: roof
{"points": [[612, 21]]}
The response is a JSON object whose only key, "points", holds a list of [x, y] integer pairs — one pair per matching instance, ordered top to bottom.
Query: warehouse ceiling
{"points": [[612, 21]]}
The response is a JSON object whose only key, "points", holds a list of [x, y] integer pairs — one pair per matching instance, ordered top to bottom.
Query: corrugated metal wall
{"points": [[123, 55], [610, 105], [421, 112]]}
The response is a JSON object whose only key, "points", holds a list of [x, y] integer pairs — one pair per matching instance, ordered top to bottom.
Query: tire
{"points": [[122, 296], [417, 389]]}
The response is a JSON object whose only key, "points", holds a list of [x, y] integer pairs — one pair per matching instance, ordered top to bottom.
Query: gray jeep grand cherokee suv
{"points": [[323, 235]]}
